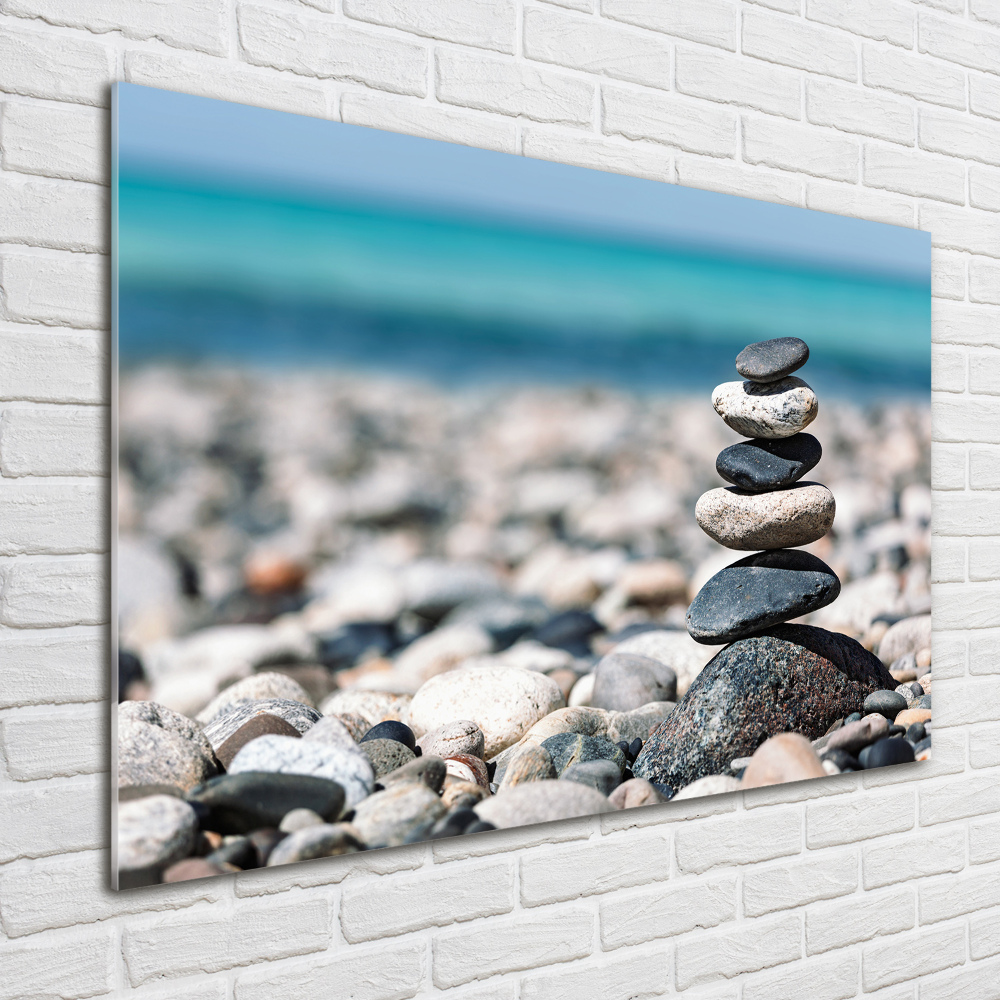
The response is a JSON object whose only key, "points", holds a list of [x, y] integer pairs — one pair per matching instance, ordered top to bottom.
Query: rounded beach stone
{"points": [[769, 360], [766, 410], [759, 465], [781, 519], [759, 591], [909, 635], [673, 647], [792, 678], [624, 681], [256, 688], [504, 702], [885, 702], [372, 706], [236, 714], [911, 716], [165, 718], [259, 725], [391, 730], [461, 736], [853, 737], [567, 749], [895, 750], [149, 755], [386, 755], [785, 757], [532, 763], [349, 768], [467, 768], [426, 770], [603, 775], [711, 784], [633, 793], [542, 802], [242, 803], [403, 813], [299, 819], [153, 833], [324, 840], [192, 868]]}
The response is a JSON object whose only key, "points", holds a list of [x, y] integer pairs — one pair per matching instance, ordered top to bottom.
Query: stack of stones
{"points": [[768, 507]]}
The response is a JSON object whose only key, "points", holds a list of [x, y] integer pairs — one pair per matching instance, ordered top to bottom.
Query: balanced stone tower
{"points": [[768, 507], [773, 677]]}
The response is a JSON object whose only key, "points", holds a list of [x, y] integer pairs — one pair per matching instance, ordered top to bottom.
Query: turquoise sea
{"points": [[245, 275]]}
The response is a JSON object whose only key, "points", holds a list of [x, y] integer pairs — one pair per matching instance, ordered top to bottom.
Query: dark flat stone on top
{"points": [[769, 360], [760, 465]]}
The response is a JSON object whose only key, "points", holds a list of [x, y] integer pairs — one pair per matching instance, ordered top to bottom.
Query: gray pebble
{"points": [[626, 681], [235, 714], [386, 756], [602, 775], [403, 813], [153, 833], [323, 840]]}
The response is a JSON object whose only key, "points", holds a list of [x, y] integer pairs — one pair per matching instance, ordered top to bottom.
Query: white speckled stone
{"points": [[766, 410], [154, 832]]}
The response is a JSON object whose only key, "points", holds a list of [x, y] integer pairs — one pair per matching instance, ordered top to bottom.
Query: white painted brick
{"points": [[585, 5], [788, 6], [985, 10], [881, 20], [713, 22], [195, 24], [488, 24], [960, 42], [799, 44], [321, 47], [596, 47], [59, 67], [903, 73], [206, 76], [733, 80], [512, 88], [984, 95], [857, 109], [432, 121], [680, 122], [959, 135], [53, 140], [800, 148], [584, 149], [914, 173], [711, 174], [984, 187], [855, 201], [961, 229], [984, 280], [947, 282], [58, 289], [957, 323], [51, 365], [984, 369], [53, 440], [948, 464], [984, 468], [958, 514], [53, 518], [948, 560], [42, 593], [972, 604], [984, 648], [52, 667], [971, 702], [57, 742], [796, 791], [958, 799], [676, 813], [52, 817], [846, 821], [513, 839], [739, 839], [984, 841], [900, 859], [549, 875], [796, 883], [74, 889], [946, 897], [429, 899], [665, 911], [858, 918], [984, 937], [212, 939], [511, 944], [755, 945], [919, 953], [61, 965], [384, 972], [643, 974], [833, 978], [971, 981]]}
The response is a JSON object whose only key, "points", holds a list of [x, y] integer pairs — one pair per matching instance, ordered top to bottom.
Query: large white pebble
{"points": [[766, 409], [504, 702]]}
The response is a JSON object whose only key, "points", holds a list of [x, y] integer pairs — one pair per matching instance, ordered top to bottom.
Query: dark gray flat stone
{"points": [[769, 360], [761, 465]]}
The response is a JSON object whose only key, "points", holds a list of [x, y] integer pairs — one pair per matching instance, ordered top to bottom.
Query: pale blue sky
{"points": [[293, 153]]}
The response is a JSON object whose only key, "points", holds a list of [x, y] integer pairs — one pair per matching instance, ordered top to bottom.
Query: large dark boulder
{"points": [[791, 678]]}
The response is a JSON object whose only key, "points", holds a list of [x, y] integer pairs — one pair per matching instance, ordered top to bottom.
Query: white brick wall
{"points": [[886, 886]]}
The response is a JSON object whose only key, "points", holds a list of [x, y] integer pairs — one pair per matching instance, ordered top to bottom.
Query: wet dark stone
{"points": [[769, 360], [759, 465], [760, 591], [569, 630], [347, 644], [129, 671], [792, 678], [886, 702], [925, 702], [853, 717], [259, 725], [391, 730], [895, 731], [916, 733], [924, 744], [634, 747], [566, 749], [895, 750], [843, 760], [603, 775], [665, 790], [241, 803], [241, 852]]}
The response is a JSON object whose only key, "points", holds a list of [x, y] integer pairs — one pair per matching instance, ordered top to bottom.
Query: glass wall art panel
{"points": [[458, 491]]}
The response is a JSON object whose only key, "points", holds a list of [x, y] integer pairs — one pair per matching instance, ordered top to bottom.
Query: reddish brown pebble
{"points": [[270, 573], [259, 725], [785, 757], [467, 768], [191, 868]]}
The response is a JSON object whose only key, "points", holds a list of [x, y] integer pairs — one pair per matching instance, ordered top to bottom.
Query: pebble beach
{"points": [[358, 611]]}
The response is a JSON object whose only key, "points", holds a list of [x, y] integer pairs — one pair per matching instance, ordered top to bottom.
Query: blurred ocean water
{"points": [[258, 278]]}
